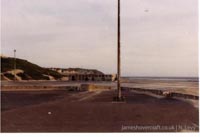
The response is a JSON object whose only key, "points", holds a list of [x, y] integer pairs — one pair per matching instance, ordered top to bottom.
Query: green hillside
{"points": [[31, 71], [85, 71]]}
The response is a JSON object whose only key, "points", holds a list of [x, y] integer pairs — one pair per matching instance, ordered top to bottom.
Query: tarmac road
{"points": [[61, 111]]}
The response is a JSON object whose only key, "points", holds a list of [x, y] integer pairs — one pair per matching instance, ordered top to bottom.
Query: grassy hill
{"points": [[30, 71], [79, 71]]}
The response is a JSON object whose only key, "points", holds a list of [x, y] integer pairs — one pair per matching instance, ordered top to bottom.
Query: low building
{"points": [[79, 74], [88, 77]]}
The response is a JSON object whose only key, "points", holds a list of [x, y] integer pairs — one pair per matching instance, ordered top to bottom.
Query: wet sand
{"points": [[62, 111]]}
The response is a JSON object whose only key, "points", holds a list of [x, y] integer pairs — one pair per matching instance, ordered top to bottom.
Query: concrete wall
{"points": [[92, 87], [21, 88], [163, 93]]}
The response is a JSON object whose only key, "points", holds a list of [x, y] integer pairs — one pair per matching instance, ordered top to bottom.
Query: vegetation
{"points": [[31, 71], [85, 71], [34, 72], [10, 76], [23, 76]]}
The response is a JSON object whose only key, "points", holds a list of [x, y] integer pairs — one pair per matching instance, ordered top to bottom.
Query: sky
{"points": [[158, 37]]}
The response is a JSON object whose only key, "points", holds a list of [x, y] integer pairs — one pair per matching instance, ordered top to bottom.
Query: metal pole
{"points": [[118, 55], [14, 65]]}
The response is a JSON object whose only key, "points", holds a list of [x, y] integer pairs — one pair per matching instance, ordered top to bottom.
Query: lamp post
{"points": [[118, 53], [14, 64]]}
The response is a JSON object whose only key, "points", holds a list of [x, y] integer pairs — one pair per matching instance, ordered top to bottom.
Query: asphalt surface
{"points": [[62, 111]]}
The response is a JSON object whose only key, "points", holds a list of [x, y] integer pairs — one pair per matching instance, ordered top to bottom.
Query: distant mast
{"points": [[118, 54], [15, 65]]}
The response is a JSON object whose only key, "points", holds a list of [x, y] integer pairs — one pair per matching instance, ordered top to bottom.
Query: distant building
{"points": [[84, 75], [88, 77]]}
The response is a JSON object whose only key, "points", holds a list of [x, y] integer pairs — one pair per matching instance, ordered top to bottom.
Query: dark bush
{"points": [[10, 76]]}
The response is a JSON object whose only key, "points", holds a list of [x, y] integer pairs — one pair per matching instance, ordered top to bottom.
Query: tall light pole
{"points": [[118, 54], [14, 64]]}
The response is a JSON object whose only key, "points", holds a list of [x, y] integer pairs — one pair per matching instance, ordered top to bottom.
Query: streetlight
{"points": [[119, 53], [14, 64], [119, 96]]}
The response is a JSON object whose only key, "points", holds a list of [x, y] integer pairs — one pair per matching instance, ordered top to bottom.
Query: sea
{"points": [[184, 79]]}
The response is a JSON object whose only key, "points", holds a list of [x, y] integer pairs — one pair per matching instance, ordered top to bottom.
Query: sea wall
{"points": [[17, 88], [163, 93]]}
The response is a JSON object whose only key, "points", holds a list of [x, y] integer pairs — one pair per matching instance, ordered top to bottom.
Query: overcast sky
{"points": [[159, 37]]}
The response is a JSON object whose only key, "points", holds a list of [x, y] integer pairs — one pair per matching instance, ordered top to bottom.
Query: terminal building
{"points": [[78, 74], [88, 77]]}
